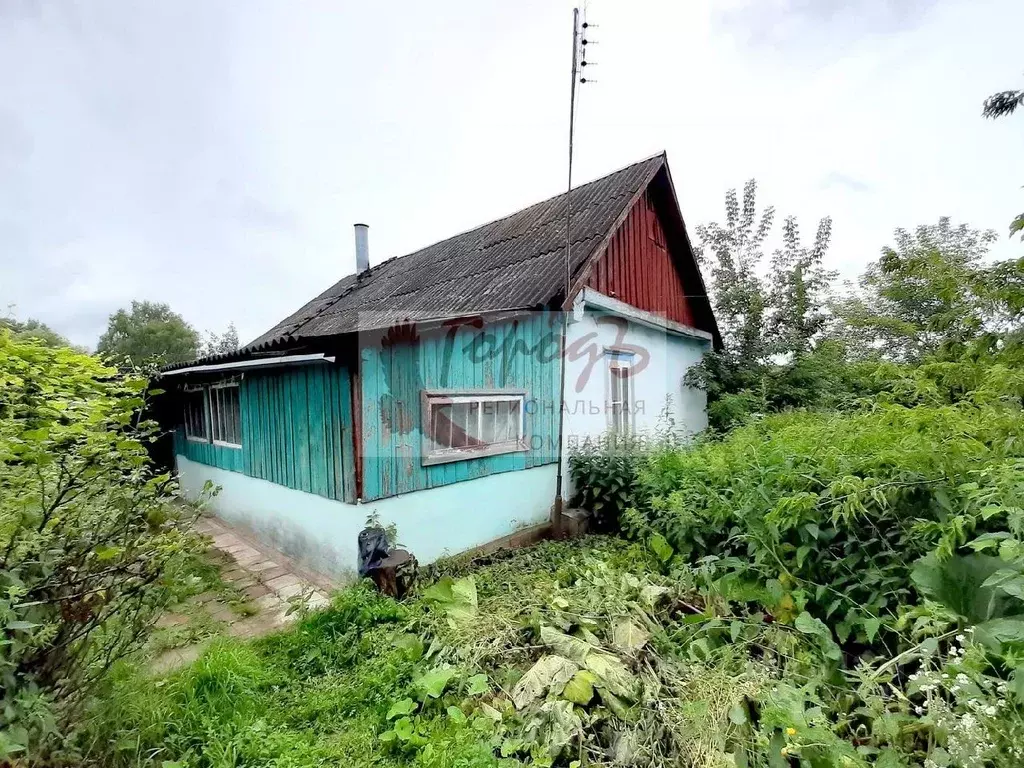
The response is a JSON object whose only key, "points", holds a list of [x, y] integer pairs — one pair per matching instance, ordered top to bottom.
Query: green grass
{"points": [[438, 681], [319, 692]]}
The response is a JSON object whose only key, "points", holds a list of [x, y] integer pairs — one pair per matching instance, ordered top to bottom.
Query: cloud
{"points": [[817, 25], [214, 154], [836, 179]]}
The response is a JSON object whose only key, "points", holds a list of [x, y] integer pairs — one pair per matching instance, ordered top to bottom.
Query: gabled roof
{"points": [[513, 263]]}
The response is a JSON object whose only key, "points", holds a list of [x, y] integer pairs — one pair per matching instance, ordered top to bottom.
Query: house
{"points": [[441, 391]]}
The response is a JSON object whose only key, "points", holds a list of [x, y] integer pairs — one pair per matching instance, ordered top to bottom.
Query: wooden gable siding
{"points": [[638, 269], [394, 376], [296, 432]]}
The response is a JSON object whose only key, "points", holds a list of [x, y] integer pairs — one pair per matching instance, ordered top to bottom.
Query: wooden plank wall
{"points": [[638, 269], [520, 353], [297, 429], [296, 432], [208, 453]]}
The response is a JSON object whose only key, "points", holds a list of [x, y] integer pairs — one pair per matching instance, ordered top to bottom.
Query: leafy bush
{"points": [[605, 475], [829, 512], [86, 534]]}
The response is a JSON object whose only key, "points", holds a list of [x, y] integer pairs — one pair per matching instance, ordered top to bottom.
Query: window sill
{"points": [[197, 439], [222, 444], [464, 454]]}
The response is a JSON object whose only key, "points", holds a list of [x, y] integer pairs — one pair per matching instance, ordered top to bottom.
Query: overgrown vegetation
{"points": [[86, 533], [605, 653]]}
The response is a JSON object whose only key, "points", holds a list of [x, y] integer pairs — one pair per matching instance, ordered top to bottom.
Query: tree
{"points": [[1000, 105], [733, 253], [799, 290], [928, 294], [765, 319], [33, 329], [149, 332], [219, 344], [87, 535]]}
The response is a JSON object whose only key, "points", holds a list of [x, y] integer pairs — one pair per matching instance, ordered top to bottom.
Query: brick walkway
{"points": [[268, 580]]}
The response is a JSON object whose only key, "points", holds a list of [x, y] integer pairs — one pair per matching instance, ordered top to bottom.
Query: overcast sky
{"points": [[213, 154]]}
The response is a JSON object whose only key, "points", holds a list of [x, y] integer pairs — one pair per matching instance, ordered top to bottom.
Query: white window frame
{"points": [[206, 391], [436, 397], [210, 410], [621, 423], [205, 438]]}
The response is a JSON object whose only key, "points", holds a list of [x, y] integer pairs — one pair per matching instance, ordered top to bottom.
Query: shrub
{"points": [[605, 476], [829, 512], [86, 535]]}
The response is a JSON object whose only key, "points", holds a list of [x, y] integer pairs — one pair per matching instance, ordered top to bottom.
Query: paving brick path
{"points": [[267, 579]]}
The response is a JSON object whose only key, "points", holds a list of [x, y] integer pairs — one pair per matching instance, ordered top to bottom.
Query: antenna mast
{"points": [[579, 61]]}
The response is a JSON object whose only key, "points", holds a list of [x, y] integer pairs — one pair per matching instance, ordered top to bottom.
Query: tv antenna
{"points": [[580, 41]]}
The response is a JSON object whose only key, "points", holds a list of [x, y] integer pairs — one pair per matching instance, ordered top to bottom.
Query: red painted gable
{"points": [[638, 269]]}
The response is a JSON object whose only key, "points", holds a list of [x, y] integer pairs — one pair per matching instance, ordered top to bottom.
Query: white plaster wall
{"points": [[659, 383], [321, 533]]}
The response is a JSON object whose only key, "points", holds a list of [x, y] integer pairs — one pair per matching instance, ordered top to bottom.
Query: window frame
{"points": [[230, 384], [432, 397], [207, 399], [205, 407], [622, 424]]}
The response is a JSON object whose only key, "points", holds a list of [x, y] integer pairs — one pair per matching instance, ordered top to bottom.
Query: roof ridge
{"points": [[576, 188], [506, 248]]}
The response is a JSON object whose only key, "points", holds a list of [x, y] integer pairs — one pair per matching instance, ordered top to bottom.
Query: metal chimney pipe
{"points": [[362, 248]]}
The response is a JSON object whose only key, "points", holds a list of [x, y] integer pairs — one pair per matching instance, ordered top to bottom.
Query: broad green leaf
{"points": [[661, 548], [1008, 580], [959, 584], [651, 595], [458, 599], [996, 632], [628, 637], [411, 644], [565, 645], [548, 673], [612, 674], [432, 684], [477, 685], [580, 690], [400, 708], [737, 714], [456, 715], [404, 728]]}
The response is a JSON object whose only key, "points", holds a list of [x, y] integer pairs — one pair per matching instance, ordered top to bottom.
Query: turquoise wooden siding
{"points": [[516, 354], [296, 431], [208, 453]]}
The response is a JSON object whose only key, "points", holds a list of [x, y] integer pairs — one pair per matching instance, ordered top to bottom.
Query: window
{"points": [[620, 392], [211, 414], [195, 416], [225, 420], [466, 425]]}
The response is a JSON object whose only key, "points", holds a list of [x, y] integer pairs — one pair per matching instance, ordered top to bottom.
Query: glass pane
{"points": [[626, 404], [217, 411], [236, 416], [515, 418], [500, 420], [473, 423], [488, 423], [441, 425], [460, 425]]}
